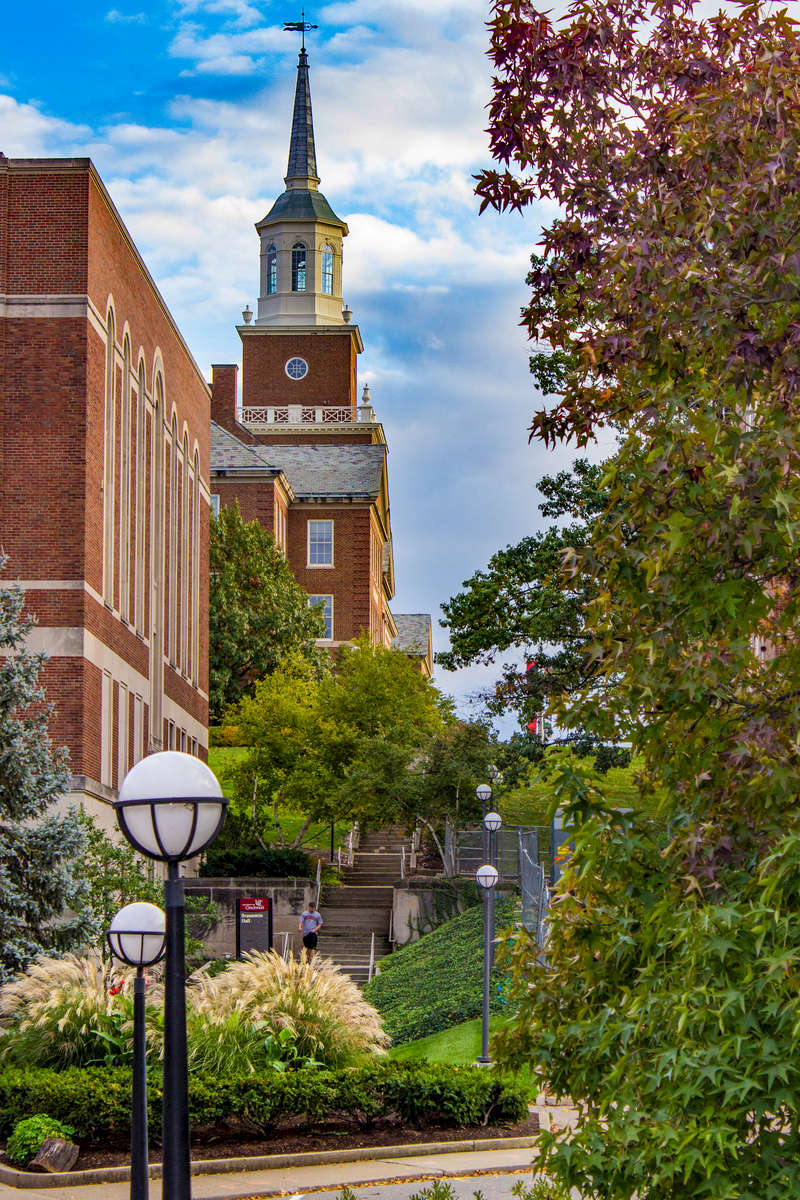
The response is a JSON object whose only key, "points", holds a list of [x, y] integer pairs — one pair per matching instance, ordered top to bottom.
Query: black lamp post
{"points": [[171, 808], [487, 877], [137, 937]]}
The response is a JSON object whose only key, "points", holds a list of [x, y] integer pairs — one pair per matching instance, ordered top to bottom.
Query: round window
{"points": [[296, 368]]}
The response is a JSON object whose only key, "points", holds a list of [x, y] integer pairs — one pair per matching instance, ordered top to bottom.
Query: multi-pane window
{"points": [[298, 267], [272, 270], [327, 270], [215, 504], [320, 543], [325, 604]]}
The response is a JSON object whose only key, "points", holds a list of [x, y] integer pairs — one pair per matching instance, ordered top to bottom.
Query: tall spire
{"points": [[302, 169]]}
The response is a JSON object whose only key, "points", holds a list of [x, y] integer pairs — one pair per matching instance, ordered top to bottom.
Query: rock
{"points": [[55, 1155]]}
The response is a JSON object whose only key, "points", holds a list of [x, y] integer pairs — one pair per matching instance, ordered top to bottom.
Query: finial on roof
{"points": [[301, 27]]}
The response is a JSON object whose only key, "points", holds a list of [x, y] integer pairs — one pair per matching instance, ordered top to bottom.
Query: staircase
{"points": [[362, 905]]}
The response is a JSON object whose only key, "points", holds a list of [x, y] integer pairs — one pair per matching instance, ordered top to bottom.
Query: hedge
{"points": [[264, 862], [437, 982], [96, 1101]]}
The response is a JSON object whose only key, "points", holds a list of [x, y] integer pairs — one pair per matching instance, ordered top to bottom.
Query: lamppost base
{"points": [[480, 1061]]}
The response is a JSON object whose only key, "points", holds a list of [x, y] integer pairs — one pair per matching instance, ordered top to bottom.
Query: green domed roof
{"points": [[301, 205]]}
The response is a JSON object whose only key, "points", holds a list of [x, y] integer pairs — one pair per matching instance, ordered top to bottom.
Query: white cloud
{"points": [[115, 17], [30, 133]]}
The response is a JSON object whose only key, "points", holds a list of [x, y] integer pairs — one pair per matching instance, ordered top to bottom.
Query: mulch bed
{"points": [[232, 1139]]}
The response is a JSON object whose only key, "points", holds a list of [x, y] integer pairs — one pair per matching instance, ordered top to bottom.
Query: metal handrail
{"points": [[402, 862], [318, 881], [390, 937], [285, 950], [371, 956]]}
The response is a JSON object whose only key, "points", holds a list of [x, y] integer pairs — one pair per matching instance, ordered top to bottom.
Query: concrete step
{"points": [[373, 879], [357, 896]]}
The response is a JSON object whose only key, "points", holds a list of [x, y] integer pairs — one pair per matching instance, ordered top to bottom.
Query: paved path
{"points": [[406, 1172]]}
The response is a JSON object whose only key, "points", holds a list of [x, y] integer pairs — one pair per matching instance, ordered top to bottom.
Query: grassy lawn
{"points": [[529, 803], [317, 837], [461, 1044], [456, 1047]]}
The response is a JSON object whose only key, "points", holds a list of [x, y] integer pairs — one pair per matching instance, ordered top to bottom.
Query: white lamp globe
{"points": [[483, 792], [170, 806], [492, 821], [487, 876], [137, 934]]}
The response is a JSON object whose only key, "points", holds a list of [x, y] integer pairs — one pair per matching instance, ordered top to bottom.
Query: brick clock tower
{"points": [[300, 454]]}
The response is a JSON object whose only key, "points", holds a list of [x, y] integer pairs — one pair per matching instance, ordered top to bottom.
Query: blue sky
{"points": [[185, 109]]}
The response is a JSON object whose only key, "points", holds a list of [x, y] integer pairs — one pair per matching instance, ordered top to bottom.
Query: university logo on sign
{"points": [[253, 924]]}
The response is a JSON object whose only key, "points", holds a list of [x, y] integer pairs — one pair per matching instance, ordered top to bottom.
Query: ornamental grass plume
{"points": [[62, 1012], [326, 1015]]}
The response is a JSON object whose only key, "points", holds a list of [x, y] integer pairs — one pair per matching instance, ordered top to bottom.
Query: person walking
{"points": [[310, 922]]}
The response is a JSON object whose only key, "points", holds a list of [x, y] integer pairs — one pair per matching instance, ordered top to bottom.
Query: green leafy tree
{"points": [[670, 280], [521, 601], [257, 612], [338, 745], [39, 846], [113, 875]]}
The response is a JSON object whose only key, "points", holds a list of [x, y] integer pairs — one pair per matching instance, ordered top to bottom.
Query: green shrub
{"points": [[266, 862], [437, 982], [64, 1012], [233, 1014], [97, 1101], [30, 1134]]}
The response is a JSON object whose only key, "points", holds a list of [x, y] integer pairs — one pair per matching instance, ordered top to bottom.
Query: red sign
{"points": [[255, 904]]}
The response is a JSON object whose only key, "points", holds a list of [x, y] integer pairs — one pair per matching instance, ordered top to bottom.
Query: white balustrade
{"points": [[296, 414]]}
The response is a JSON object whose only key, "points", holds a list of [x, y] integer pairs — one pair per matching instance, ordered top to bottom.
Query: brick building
{"points": [[104, 447], [300, 453]]}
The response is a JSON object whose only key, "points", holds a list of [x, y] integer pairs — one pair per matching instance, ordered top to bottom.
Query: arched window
{"points": [[298, 267], [272, 270], [327, 270], [141, 406], [108, 461], [125, 487], [157, 568], [196, 570], [172, 584], [185, 619]]}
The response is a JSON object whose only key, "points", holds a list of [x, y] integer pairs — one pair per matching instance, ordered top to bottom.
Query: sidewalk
{"points": [[291, 1181]]}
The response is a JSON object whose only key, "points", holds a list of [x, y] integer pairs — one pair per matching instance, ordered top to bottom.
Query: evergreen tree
{"points": [[38, 846]]}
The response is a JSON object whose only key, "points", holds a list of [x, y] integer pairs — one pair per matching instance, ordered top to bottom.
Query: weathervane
{"points": [[301, 26]]}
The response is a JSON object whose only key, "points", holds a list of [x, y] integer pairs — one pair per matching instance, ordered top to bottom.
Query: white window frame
{"points": [[214, 505], [311, 523], [325, 602]]}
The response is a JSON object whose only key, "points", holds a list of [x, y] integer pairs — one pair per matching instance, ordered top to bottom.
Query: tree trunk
{"points": [[297, 841]]}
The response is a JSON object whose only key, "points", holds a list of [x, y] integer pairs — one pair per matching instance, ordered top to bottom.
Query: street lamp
{"points": [[484, 794], [171, 808], [487, 877], [137, 936]]}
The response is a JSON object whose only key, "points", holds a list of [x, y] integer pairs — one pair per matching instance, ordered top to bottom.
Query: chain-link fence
{"points": [[467, 849], [533, 886]]}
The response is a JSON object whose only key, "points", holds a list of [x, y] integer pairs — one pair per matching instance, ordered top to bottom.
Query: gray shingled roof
{"points": [[229, 454], [317, 471], [313, 472], [413, 632]]}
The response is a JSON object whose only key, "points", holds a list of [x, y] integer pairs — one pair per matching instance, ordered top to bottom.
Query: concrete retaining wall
{"points": [[289, 898]]}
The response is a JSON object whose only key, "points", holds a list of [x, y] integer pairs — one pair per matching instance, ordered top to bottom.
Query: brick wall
{"points": [[63, 240], [331, 377]]}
